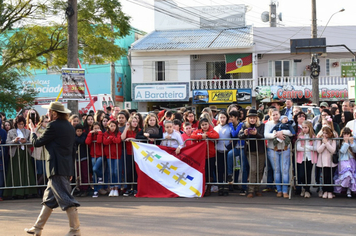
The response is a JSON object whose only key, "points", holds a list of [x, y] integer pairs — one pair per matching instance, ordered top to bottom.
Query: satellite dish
{"points": [[265, 16], [280, 16]]}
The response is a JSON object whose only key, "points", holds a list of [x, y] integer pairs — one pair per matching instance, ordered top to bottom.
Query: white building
{"points": [[181, 56]]}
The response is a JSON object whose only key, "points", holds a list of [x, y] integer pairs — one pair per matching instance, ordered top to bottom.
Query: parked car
{"points": [[315, 110]]}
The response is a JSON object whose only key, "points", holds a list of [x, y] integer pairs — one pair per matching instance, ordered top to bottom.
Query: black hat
{"points": [[252, 112]]}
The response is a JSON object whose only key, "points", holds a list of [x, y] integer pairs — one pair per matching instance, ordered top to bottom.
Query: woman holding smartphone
{"points": [[21, 171]]}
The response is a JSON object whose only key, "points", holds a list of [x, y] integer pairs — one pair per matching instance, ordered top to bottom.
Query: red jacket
{"points": [[211, 133], [130, 134], [189, 142], [112, 145], [95, 148]]}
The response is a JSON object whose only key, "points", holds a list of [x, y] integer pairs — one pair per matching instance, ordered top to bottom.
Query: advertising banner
{"points": [[73, 83], [160, 92], [301, 93], [242, 96]]}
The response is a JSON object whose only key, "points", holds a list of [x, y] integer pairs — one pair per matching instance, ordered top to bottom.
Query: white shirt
{"points": [[176, 141]]}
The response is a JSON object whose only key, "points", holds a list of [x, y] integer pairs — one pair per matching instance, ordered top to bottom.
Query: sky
{"points": [[294, 12]]}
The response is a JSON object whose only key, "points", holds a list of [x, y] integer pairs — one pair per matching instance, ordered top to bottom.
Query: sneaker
{"points": [[229, 179], [100, 180], [214, 189], [103, 191], [243, 192], [116, 193], [128, 193], [349, 193], [84, 194], [96, 194], [111, 194], [279, 194], [302, 194], [307, 195]]}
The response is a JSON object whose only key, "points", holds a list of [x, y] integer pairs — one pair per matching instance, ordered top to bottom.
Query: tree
{"points": [[34, 34], [14, 95]]}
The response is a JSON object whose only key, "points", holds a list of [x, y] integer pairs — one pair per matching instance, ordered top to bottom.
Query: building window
{"points": [[333, 66], [280, 68], [160, 70], [216, 70]]}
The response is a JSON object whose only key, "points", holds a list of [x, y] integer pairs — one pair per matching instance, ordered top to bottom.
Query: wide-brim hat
{"points": [[275, 101], [58, 107], [214, 108], [252, 112]]}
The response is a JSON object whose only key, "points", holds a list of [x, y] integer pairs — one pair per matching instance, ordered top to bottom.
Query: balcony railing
{"points": [[303, 80], [221, 84]]}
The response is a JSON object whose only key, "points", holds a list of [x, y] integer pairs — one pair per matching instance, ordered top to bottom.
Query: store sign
{"points": [[348, 69], [160, 92], [326, 93], [242, 96]]}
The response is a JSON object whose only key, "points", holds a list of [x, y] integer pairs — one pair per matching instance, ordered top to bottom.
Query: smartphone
{"points": [[33, 117]]}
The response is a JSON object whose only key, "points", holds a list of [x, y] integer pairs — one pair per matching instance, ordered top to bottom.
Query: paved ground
{"points": [[214, 215]]}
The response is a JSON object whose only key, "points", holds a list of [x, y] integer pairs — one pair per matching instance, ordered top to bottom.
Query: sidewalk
{"points": [[214, 215]]}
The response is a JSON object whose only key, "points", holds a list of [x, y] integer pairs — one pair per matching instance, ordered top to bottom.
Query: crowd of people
{"points": [[242, 142]]}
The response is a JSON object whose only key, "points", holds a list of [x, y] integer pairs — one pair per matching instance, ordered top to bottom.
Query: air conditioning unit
{"points": [[195, 57]]}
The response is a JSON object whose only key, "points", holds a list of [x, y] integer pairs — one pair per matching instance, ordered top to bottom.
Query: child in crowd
{"points": [[167, 116], [190, 117], [122, 118], [74, 120], [88, 123], [177, 125], [282, 125], [151, 130], [223, 130], [204, 131], [130, 133], [187, 133], [176, 142], [326, 149], [113, 150], [96, 153], [41, 154], [236, 155], [82, 157], [306, 157], [347, 164]]}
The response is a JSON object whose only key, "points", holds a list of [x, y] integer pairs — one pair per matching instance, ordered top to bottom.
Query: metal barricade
{"points": [[237, 162], [241, 163], [20, 172]]}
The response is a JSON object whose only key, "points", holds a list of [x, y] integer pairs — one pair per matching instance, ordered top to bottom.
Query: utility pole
{"points": [[273, 14], [72, 54], [314, 57]]}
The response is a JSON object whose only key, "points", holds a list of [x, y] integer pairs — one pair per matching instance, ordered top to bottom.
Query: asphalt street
{"points": [[213, 215]]}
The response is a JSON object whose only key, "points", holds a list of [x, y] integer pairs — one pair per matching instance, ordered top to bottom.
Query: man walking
{"points": [[59, 140]]}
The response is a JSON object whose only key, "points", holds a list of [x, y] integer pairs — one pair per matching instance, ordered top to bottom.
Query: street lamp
{"points": [[343, 9]]}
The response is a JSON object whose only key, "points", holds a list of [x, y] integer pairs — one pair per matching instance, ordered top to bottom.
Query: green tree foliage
{"points": [[34, 35], [14, 95]]}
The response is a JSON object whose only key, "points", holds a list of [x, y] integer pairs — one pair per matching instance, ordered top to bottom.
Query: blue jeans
{"points": [[240, 152], [112, 163], [280, 163], [98, 171]]}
